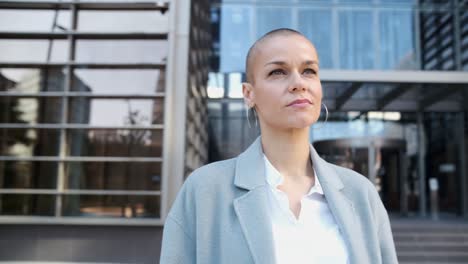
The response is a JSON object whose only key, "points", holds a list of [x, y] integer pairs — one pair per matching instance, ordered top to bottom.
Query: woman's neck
{"points": [[288, 151]]}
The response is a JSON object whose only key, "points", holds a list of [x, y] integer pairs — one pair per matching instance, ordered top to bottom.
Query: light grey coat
{"points": [[220, 214]]}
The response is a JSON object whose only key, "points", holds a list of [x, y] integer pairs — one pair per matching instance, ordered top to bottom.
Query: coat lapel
{"points": [[340, 205], [252, 207]]}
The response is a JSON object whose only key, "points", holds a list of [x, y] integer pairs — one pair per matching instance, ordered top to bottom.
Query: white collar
{"points": [[274, 178]]}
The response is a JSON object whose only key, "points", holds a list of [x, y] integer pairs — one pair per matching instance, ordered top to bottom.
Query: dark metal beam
{"points": [[110, 6], [82, 35], [83, 65], [82, 94], [347, 94], [392, 95], [438, 96]]}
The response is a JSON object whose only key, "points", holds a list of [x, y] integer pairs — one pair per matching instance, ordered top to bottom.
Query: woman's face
{"points": [[285, 88]]}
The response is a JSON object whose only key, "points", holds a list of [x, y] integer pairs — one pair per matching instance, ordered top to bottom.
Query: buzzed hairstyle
{"points": [[251, 52]]}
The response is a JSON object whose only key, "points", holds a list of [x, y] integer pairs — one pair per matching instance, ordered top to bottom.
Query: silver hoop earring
{"points": [[247, 110], [326, 118]]}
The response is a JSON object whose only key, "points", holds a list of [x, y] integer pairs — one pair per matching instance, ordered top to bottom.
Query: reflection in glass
{"points": [[269, 18], [33, 20], [123, 21], [317, 25], [236, 38], [396, 40], [356, 42], [33, 50], [130, 51], [31, 80], [129, 82], [19, 110], [116, 112], [28, 142], [115, 142], [28, 174], [113, 175], [27, 204], [127, 206]]}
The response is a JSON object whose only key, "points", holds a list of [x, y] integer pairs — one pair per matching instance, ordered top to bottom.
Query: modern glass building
{"points": [[395, 80], [102, 116]]}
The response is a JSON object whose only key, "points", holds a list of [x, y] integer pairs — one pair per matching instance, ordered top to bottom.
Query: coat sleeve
{"points": [[177, 245], [387, 245]]}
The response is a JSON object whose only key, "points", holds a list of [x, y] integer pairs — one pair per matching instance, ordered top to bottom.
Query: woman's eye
{"points": [[310, 71], [277, 72]]}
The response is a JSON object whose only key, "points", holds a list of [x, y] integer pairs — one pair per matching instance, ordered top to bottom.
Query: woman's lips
{"points": [[300, 103]]}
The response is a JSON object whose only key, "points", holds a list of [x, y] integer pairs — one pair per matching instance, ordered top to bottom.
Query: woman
{"points": [[279, 202]]}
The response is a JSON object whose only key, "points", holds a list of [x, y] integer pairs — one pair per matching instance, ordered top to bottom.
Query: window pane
{"points": [[269, 18], [33, 20], [123, 21], [317, 26], [235, 36], [396, 40], [437, 40], [356, 41], [14, 50], [129, 51], [31, 80], [121, 81], [30, 110], [116, 112], [28, 142], [115, 143], [28, 174], [114, 175], [27, 204], [127, 206]]}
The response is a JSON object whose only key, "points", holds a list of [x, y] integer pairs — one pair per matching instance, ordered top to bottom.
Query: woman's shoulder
{"points": [[212, 174]]}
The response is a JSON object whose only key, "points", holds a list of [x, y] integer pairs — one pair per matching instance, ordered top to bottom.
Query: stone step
{"points": [[434, 237], [431, 242], [412, 247], [445, 257]]}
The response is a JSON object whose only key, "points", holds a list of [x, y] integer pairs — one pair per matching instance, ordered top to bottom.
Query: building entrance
{"points": [[380, 160]]}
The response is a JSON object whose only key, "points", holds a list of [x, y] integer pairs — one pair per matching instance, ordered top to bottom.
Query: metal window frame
{"points": [[72, 35]]}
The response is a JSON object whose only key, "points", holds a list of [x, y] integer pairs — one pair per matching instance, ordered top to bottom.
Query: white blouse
{"points": [[314, 237]]}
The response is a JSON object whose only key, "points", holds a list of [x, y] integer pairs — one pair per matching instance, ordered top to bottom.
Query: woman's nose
{"points": [[297, 83]]}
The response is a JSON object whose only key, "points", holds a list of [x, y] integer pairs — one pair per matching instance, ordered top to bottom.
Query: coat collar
{"points": [[250, 168], [252, 207]]}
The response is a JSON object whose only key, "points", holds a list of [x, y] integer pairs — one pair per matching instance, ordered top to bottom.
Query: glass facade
{"points": [[349, 35], [356, 40], [82, 95]]}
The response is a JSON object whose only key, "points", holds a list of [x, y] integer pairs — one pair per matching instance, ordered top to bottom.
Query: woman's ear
{"points": [[249, 96]]}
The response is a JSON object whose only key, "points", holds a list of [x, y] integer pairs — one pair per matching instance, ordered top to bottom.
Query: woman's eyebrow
{"points": [[309, 62], [282, 63]]}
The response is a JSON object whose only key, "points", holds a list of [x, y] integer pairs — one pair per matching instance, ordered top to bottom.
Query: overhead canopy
{"points": [[406, 91]]}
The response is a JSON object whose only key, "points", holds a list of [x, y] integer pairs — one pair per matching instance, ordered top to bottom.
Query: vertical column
{"points": [[335, 37], [417, 38], [457, 55], [175, 106], [225, 109], [460, 134], [63, 148], [371, 161], [421, 165], [403, 182]]}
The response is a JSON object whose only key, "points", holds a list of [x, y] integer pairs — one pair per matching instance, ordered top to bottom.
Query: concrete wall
{"points": [[106, 244]]}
